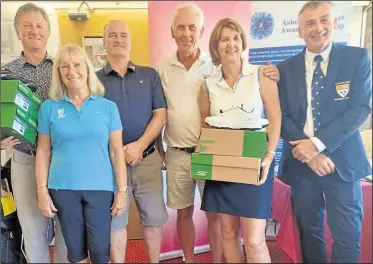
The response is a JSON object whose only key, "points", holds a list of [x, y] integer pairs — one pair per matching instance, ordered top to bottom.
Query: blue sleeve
{"points": [[159, 100], [358, 109], [114, 118], [43, 120], [289, 130]]}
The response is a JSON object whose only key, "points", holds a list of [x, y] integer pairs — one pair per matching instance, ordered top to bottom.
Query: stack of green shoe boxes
{"points": [[19, 111], [229, 155]]}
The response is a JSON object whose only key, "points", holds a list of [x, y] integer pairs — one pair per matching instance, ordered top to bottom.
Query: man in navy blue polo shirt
{"points": [[138, 93]]}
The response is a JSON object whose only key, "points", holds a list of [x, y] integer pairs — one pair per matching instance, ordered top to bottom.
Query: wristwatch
{"points": [[271, 152], [125, 189]]}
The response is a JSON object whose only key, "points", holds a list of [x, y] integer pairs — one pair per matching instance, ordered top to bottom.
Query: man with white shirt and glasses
{"points": [[182, 75], [325, 94]]}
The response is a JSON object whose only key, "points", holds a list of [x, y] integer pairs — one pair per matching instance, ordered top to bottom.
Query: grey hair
{"points": [[314, 4], [191, 7], [28, 8], [112, 21]]}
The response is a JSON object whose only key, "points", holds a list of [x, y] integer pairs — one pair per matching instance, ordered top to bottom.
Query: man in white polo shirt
{"points": [[182, 75]]}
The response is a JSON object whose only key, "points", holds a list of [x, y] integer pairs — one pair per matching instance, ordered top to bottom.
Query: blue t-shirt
{"points": [[80, 142]]}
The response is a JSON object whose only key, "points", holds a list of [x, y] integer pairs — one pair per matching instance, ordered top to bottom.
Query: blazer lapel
{"points": [[335, 61], [299, 75]]}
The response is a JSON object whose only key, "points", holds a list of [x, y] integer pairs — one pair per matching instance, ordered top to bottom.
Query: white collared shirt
{"points": [[310, 68], [182, 88], [245, 92]]}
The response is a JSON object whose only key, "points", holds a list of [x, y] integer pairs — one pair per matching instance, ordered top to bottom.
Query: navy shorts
{"points": [[85, 218]]}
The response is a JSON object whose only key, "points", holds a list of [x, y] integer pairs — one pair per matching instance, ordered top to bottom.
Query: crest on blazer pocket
{"points": [[342, 89]]}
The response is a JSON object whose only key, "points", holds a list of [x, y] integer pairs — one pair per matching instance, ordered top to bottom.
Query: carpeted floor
{"points": [[136, 253]]}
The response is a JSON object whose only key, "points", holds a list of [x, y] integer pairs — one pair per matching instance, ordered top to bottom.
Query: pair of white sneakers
{"points": [[236, 119]]}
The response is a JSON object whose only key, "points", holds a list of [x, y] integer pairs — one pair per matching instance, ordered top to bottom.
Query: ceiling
{"points": [[76, 4], [50, 6], [9, 8]]}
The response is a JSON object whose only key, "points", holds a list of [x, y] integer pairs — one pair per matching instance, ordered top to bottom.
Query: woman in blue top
{"points": [[79, 144]]}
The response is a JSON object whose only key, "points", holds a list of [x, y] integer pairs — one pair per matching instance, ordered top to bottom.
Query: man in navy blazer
{"points": [[325, 94]]}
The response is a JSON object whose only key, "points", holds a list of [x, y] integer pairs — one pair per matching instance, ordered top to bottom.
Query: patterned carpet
{"points": [[136, 253]]}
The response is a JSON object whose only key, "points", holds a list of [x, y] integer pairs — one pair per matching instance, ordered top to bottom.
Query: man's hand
{"points": [[271, 72], [9, 142], [304, 150], [133, 153], [321, 165]]}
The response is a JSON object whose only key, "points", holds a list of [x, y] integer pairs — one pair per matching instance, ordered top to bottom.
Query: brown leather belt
{"points": [[189, 150]]}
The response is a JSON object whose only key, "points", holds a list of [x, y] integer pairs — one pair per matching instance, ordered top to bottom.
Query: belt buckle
{"points": [[191, 150]]}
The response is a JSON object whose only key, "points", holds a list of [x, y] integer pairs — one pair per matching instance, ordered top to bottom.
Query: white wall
{"points": [[354, 26]]}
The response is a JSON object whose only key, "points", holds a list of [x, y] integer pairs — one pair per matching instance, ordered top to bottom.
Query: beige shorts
{"points": [[145, 182], [180, 185]]}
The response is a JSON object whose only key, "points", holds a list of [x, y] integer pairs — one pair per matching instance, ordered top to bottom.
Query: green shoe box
{"points": [[14, 91], [17, 123], [230, 142], [225, 168]]}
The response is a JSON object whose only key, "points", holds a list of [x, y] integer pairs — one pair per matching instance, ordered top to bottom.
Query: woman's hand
{"points": [[265, 165], [45, 203], [119, 204]]}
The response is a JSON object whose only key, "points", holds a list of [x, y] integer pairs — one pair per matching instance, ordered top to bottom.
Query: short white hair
{"points": [[188, 6]]}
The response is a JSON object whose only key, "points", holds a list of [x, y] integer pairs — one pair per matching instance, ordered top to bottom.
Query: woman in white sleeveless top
{"points": [[239, 84]]}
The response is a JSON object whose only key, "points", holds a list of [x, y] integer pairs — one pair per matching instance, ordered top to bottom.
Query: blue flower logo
{"points": [[262, 24]]}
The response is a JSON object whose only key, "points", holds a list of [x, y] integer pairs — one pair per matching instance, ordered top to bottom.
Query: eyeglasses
{"points": [[222, 111]]}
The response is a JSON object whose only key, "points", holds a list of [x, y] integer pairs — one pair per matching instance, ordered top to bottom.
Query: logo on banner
{"points": [[262, 25], [342, 89]]}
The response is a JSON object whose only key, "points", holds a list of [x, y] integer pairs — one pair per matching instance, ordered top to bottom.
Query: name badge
{"points": [[342, 89]]}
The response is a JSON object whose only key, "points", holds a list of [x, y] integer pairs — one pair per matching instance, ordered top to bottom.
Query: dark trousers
{"points": [[343, 203], [85, 219]]}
